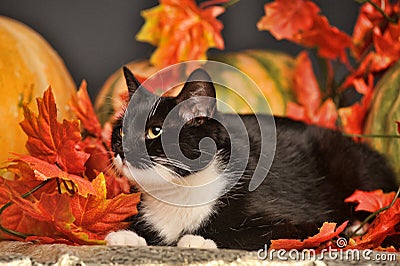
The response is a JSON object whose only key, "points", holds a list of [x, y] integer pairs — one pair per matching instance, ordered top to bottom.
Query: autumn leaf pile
{"points": [[373, 47], [64, 191], [384, 207]]}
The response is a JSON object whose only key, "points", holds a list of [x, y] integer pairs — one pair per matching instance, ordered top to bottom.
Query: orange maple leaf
{"points": [[369, 18], [284, 19], [299, 21], [181, 31], [330, 41], [387, 48], [83, 108], [310, 108], [352, 117], [50, 140], [97, 143], [44, 171], [371, 201], [37, 208], [55, 209], [99, 215], [52, 216], [13, 218], [385, 224], [327, 232]]}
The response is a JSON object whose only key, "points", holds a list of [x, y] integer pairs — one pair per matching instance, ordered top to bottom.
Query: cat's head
{"points": [[168, 133]]}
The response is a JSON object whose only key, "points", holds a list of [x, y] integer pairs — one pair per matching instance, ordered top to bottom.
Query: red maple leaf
{"points": [[285, 19], [368, 19], [299, 21], [330, 41], [387, 44], [387, 49], [386, 52], [83, 108], [310, 108], [353, 117], [51, 141], [97, 143], [44, 171], [371, 201], [37, 208], [55, 209], [27, 215], [99, 215], [12, 217], [61, 218], [385, 224], [327, 232]]}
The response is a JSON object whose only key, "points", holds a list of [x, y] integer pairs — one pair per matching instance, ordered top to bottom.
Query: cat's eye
{"points": [[121, 132], [153, 132]]}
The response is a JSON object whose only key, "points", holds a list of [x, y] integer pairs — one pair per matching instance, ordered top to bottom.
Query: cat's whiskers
{"points": [[194, 149], [171, 162], [111, 168], [177, 178]]}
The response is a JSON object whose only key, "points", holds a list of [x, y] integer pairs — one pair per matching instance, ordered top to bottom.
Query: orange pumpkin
{"points": [[28, 66]]}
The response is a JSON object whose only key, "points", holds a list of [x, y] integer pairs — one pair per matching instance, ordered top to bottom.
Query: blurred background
{"points": [[96, 37]]}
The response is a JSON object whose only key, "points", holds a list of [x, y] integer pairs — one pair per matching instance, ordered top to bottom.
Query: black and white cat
{"points": [[313, 171]]}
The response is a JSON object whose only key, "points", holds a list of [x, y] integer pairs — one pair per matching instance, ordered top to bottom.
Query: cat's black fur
{"points": [[313, 171]]}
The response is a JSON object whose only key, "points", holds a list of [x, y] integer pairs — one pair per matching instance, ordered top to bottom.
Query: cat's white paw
{"points": [[125, 238], [193, 241]]}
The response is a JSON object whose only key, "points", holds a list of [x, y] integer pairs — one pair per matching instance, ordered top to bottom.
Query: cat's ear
{"points": [[132, 83], [198, 97]]}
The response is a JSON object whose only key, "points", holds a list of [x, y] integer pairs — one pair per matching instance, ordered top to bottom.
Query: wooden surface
{"points": [[17, 253]]}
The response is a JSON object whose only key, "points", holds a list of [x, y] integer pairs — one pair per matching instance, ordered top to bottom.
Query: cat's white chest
{"points": [[173, 207], [172, 221]]}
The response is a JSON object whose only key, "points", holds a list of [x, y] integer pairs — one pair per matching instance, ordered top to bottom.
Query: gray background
{"points": [[96, 37]]}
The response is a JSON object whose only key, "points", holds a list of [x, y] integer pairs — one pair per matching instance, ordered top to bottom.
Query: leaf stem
{"points": [[223, 3], [230, 3], [379, 9], [371, 136], [5, 206], [372, 215]]}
